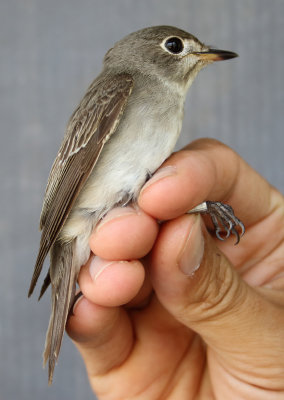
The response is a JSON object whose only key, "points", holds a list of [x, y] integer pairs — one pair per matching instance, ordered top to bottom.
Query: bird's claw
{"points": [[223, 219]]}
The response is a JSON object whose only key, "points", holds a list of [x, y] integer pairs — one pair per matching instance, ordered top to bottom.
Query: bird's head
{"points": [[165, 52]]}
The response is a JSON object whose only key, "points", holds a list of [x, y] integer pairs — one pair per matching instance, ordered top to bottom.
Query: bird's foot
{"points": [[223, 218]]}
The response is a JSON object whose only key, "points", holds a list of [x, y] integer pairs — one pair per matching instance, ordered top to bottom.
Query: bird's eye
{"points": [[174, 45]]}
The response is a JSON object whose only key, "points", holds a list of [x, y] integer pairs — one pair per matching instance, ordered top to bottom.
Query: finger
{"points": [[206, 170], [125, 233], [111, 283], [114, 283], [196, 283], [100, 329], [103, 335], [106, 340], [115, 351]]}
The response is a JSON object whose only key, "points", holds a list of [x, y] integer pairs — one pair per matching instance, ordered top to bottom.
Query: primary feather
{"points": [[91, 125]]}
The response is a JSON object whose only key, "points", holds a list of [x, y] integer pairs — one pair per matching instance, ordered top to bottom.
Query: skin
{"points": [[173, 313]]}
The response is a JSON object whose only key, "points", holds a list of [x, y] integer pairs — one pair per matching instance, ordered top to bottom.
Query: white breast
{"points": [[144, 139]]}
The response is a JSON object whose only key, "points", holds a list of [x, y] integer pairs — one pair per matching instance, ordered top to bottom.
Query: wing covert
{"points": [[90, 127]]}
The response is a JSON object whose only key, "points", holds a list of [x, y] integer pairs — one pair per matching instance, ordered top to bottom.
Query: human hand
{"points": [[195, 318]]}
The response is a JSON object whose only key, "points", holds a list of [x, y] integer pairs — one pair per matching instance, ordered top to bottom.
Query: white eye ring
{"points": [[174, 45]]}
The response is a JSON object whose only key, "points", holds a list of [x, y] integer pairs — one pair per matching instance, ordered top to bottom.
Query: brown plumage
{"points": [[126, 125], [89, 128]]}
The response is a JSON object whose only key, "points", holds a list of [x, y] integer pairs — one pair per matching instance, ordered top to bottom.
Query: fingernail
{"points": [[164, 172], [117, 213], [192, 251], [97, 266], [79, 296]]}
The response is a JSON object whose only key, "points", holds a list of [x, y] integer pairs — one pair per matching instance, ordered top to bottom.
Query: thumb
{"points": [[198, 285]]}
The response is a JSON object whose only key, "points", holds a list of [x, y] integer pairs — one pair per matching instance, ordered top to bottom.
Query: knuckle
{"points": [[217, 293]]}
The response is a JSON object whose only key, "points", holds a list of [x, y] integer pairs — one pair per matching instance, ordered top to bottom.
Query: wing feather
{"points": [[89, 128]]}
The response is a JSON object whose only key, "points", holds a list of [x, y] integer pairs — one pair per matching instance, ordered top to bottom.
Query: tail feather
{"points": [[38, 267], [63, 277], [46, 283]]}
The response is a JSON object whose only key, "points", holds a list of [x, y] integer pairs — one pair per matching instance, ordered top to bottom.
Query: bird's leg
{"points": [[223, 218]]}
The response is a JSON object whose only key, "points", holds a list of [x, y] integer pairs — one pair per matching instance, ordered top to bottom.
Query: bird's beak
{"points": [[215, 55]]}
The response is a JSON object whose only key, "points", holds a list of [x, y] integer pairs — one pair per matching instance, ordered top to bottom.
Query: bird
{"points": [[124, 128]]}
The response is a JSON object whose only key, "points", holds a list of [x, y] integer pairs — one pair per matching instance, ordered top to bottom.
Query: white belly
{"points": [[137, 148]]}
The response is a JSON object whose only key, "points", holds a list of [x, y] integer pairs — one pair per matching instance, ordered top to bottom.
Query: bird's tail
{"points": [[63, 275]]}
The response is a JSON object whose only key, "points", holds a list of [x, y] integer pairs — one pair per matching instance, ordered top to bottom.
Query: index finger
{"points": [[206, 170]]}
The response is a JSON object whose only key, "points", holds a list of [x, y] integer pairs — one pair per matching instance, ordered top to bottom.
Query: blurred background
{"points": [[50, 52]]}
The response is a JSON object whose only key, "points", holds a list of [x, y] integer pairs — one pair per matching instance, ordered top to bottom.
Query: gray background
{"points": [[50, 52]]}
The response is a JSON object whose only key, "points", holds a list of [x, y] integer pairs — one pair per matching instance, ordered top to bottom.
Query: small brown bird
{"points": [[125, 126]]}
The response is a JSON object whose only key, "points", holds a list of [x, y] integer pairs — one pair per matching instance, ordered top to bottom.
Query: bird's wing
{"points": [[90, 127]]}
